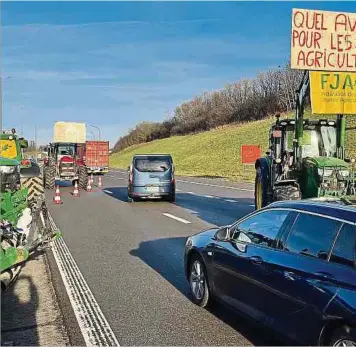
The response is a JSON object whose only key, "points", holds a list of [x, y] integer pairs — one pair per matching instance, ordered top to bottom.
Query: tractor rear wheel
{"points": [[49, 175], [83, 177], [261, 188], [284, 193]]}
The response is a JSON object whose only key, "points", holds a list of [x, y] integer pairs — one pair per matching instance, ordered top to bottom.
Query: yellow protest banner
{"points": [[333, 92]]}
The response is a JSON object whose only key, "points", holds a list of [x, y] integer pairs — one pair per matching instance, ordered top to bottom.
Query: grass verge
{"points": [[217, 153]]}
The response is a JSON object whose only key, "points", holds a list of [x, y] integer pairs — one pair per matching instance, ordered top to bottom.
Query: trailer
{"points": [[95, 156]]}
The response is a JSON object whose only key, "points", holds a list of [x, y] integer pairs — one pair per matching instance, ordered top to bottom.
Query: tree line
{"points": [[246, 100]]}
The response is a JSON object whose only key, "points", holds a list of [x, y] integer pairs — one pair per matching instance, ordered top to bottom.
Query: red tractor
{"points": [[64, 164]]}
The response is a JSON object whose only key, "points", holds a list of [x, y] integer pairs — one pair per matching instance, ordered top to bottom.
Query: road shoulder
{"points": [[30, 314]]}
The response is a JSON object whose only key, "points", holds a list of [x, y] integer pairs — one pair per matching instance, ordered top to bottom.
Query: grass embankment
{"points": [[216, 153]]}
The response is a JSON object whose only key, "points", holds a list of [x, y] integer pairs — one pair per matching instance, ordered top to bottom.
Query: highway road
{"points": [[130, 255]]}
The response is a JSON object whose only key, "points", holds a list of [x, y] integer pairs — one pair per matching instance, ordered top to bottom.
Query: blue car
{"points": [[151, 176], [290, 266]]}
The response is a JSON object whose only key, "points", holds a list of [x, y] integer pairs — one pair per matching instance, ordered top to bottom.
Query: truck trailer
{"points": [[95, 156]]}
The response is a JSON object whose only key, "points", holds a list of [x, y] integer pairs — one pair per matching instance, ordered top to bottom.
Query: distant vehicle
{"points": [[95, 156], [62, 162], [151, 176], [291, 266]]}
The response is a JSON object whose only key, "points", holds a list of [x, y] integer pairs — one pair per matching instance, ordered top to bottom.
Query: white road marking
{"points": [[119, 178], [216, 185], [178, 190], [107, 191], [192, 193], [230, 200], [251, 205], [177, 218], [92, 322]]}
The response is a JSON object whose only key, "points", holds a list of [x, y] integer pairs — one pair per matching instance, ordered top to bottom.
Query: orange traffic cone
{"points": [[100, 184], [89, 186], [76, 191], [57, 197]]}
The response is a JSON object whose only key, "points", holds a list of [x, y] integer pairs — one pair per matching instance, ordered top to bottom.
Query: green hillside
{"points": [[216, 153]]}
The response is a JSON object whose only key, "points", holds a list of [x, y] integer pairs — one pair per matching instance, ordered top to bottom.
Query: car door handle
{"points": [[256, 259], [290, 275], [324, 275]]}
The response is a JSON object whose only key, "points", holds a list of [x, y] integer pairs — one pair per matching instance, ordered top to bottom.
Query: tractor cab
{"points": [[319, 139], [11, 147]]}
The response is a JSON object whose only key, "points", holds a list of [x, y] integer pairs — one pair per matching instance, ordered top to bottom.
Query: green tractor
{"points": [[11, 147], [306, 159], [24, 227]]}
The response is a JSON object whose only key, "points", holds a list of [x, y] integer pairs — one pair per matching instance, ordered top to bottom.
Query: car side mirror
{"points": [[23, 143], [223, 234]]}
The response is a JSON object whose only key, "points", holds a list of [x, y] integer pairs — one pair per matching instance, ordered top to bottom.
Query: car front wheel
{"points": [[198, 282], [343, 337]]}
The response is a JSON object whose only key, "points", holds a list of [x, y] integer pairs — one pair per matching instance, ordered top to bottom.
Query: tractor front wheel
{"points": [[49, 175], [83, 177], [260, 190], [284, 193]]}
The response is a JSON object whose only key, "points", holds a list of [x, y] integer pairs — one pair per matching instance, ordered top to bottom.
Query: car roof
{"points": [[152, 155], [334, 210]]}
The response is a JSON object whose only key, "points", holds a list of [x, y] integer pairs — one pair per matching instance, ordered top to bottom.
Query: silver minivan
{"points": [[151, 176]]}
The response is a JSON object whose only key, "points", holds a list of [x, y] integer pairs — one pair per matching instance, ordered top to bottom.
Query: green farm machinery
{"points": [[11, 147], [306, 159], [25, 223]]}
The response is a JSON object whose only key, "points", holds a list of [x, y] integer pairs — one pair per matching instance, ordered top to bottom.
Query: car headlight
{"points": [[7, 169], [326, 172]]}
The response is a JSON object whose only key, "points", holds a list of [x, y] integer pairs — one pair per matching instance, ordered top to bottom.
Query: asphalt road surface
{"points": [[131, 257]]}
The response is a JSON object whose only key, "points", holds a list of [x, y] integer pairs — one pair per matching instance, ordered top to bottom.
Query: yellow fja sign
{"points": [[333, 92], [8, 149]]}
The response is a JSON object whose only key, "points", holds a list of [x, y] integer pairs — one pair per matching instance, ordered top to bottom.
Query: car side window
{"points": [[262, 228], [312, 235], [344, 250]]}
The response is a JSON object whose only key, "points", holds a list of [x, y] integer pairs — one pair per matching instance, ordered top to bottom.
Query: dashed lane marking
{"points": [[215, 185], [230, 200], [176, 218], [95, 329]]}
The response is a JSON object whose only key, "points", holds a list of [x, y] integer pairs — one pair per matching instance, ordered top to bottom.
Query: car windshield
{"points": [[328, 135], [315, 142], [66, 150], [152, 164]]}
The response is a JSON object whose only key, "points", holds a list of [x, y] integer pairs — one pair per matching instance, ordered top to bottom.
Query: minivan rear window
{"points": [[152, 164]]}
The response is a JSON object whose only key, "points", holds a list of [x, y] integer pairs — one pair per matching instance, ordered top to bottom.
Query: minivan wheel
{"points": [[172, 197], [198, 282], [342, 337]]}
